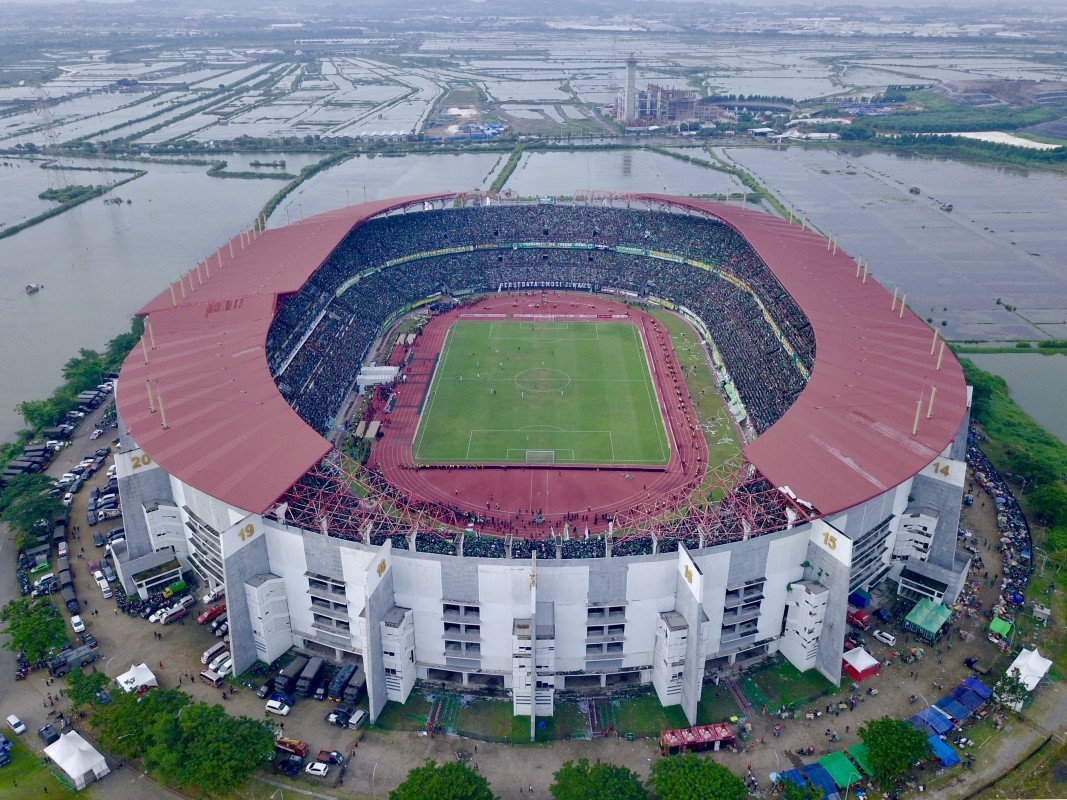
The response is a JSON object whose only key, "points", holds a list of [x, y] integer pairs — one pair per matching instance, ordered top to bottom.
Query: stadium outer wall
{"points": [[537, 627]]}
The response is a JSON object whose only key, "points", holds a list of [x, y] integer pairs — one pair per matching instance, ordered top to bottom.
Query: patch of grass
{"points": [[578, 391], [707, 401], [783, 684], [716, 705], [409, 716], [644, 716], [491, 721], [28, 776]]}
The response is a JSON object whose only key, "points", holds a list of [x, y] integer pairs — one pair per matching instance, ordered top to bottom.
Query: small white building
{"points": [[79, 760]]}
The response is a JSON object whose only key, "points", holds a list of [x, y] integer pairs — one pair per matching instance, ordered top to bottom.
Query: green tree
{"points": [[85, 370], [1050, 503], [26, 504], [35, 627], [83, 686], [1010, 689], [128, 724], [195, 746], [894, 746], [210, 751], [690, 777], [451, 781], [601, 781], [793, 791]]}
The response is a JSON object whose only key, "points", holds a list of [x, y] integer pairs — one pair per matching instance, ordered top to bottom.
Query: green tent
{"points": [[927, 618], [1001, 627], [860, 753], [841, 769]]}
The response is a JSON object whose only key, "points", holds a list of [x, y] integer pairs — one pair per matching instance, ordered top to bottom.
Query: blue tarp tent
{"points": [[978, 688], [970, 700], [953, 708], [937, 721], [921, 724], [942, 751], [814, 774], [817, 774]]}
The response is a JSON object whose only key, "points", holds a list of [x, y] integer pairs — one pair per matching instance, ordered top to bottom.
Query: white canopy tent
{"points": [[859, 664], [1032, 668], [139, 678], [81, 762]]}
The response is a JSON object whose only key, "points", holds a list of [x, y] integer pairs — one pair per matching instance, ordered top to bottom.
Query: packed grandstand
{"points": [[320, 337]]}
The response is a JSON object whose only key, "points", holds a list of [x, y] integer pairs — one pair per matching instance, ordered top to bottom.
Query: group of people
{"points": [[319, 340], [317, 377], [1016, 542]]}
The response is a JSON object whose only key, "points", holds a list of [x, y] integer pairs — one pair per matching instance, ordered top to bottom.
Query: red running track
{"points": [[509, 497]]}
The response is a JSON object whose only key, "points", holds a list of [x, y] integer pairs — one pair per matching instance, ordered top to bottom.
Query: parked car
{"points": [[96, 434], [211, 613], [77, 624], [885, 638], [218, 661], [266, 688], [278, 707], [341, 713], [16, 724], [48, 733], [291, 765], [317, 768]]}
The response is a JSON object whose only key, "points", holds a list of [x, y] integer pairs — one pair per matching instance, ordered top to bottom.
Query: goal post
{"points": [[540, 456]]}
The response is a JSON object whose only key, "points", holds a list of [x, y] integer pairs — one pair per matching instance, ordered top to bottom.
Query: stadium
{"points": [[456, 439]]}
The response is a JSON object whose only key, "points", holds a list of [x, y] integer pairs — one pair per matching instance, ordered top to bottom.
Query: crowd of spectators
{"points": [[500, 249], [321, 335], [1016, 541], [434, 542], [642, 545], [477, 546], [525, 548], [583, 548]]}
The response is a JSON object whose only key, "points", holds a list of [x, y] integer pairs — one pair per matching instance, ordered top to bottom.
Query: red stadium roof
{"points": [[230, 433], [848, 437]]}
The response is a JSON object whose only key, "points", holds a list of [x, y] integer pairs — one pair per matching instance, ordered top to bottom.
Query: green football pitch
{"points": [[553, 392]]}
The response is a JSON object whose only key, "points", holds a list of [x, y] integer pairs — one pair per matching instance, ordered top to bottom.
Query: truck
{"points": [[70, 599], [858, 619], [69, 659], [976, 665], [288, 676], [340, 681], [305, 685], [354, 690], [297, 747]]}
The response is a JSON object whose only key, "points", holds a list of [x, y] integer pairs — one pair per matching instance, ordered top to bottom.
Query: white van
{"points": [[105, 588], [886, 638], [213, 652], [219, 660], [211, 678]]}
